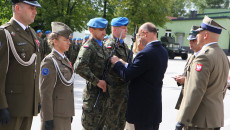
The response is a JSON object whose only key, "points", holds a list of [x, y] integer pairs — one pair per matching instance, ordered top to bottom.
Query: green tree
{"points": [[6, 11]]}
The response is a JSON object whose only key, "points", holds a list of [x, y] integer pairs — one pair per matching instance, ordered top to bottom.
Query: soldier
{"points": [[39, 35], [106, 38], [86, 39], [74, 40], [44, 47], [74, 50], [90, 65], [180, 78], [56, 82], [19, 95], [117, 102], [202, 106]]}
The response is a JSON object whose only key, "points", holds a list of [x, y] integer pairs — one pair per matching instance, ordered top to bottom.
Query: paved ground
{"points": [[170, 94]]}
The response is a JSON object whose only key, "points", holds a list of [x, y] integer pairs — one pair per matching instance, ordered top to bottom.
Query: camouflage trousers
{"points": [[116, 109], [93, 118]]}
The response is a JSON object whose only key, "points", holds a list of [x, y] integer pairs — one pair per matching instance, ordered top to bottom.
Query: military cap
{"points": [[30, 2], [120, 21], [97, 23], [210, 25], [61, 29], [38, 31], [47, 32], [193, 33], [87, 37], [74, 39]]}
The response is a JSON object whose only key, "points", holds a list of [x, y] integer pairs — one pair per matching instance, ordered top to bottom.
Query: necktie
{"points": [[27, 30]]}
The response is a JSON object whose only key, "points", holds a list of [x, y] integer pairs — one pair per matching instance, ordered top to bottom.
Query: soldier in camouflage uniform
{"points": [[44, 47], [74, 50], [90, 65], [117, 102]]}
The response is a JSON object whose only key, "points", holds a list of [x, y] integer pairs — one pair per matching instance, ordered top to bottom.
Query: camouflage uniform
{"points": [[44, 48], [74, 50], [90, 65], [117, 102]]}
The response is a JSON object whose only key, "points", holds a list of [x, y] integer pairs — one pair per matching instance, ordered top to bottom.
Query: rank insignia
{"points": [[13, 33], [199, 67], [45, 71]]}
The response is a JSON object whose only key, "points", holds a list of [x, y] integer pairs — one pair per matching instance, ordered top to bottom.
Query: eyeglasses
{"points": [[139, 35]]}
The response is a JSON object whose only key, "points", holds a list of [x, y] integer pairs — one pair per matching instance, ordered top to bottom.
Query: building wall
{"points": [[183, 26]]}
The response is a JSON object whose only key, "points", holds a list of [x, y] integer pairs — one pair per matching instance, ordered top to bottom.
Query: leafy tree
{"points": [[6, 11]]}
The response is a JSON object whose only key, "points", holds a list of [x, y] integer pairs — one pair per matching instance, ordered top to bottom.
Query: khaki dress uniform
{"points": [[189, 62], [90, 65], [206, 78], [19, 91], [57, 97], [117, 101]]}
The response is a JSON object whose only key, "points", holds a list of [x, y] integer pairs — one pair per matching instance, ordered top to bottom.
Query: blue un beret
{"points": [[120, 21], [97, 23], [38, 31], [47, 32], [87, 37], [74, 39], [79, 39]]}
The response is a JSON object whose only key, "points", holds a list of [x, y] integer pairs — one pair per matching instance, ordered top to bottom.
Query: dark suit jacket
{"points": [[146, 75]]}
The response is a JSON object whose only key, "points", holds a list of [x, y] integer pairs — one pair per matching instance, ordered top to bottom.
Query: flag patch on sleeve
{"points": [[199, 67]]}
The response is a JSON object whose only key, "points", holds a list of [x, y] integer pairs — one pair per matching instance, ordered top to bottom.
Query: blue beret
{"points": [[120, 21], [97, 23], [38, 31], [47, 32], [87, 37], [106, 37], [74, 39], [79, 39]]}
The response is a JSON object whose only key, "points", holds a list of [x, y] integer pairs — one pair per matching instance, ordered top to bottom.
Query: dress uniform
{"points": [[192, 36], [90, 65], [56, 86], [19, 95], [117, 102], [202, 105]]}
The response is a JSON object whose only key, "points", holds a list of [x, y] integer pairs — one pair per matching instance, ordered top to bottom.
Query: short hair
{"points": [[150, 27], [50, 39]]}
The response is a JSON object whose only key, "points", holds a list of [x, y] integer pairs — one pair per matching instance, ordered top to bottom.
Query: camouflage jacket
{"points": [[121, 52], [91, 61]]}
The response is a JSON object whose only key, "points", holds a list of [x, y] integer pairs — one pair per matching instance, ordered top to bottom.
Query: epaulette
{"points": [[5, 25]]}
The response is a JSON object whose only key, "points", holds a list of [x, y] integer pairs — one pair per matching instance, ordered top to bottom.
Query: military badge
{"points": [[13, 33], [199, 67], [45, 71]]}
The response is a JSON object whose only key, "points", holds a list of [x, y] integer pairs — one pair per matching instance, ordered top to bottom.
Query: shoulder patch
{"points": [[86, 46], [109, 47], [199, 67], [45, 71]]}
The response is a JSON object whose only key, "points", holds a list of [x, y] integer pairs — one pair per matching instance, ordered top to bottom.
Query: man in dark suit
{"points": [[20, 68], [145, 74]]}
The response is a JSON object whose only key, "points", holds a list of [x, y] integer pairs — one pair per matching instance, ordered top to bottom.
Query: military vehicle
{"points": [[174, 49]]}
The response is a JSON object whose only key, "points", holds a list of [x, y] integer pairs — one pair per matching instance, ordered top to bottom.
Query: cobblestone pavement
{"points": [[170, 94]]}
